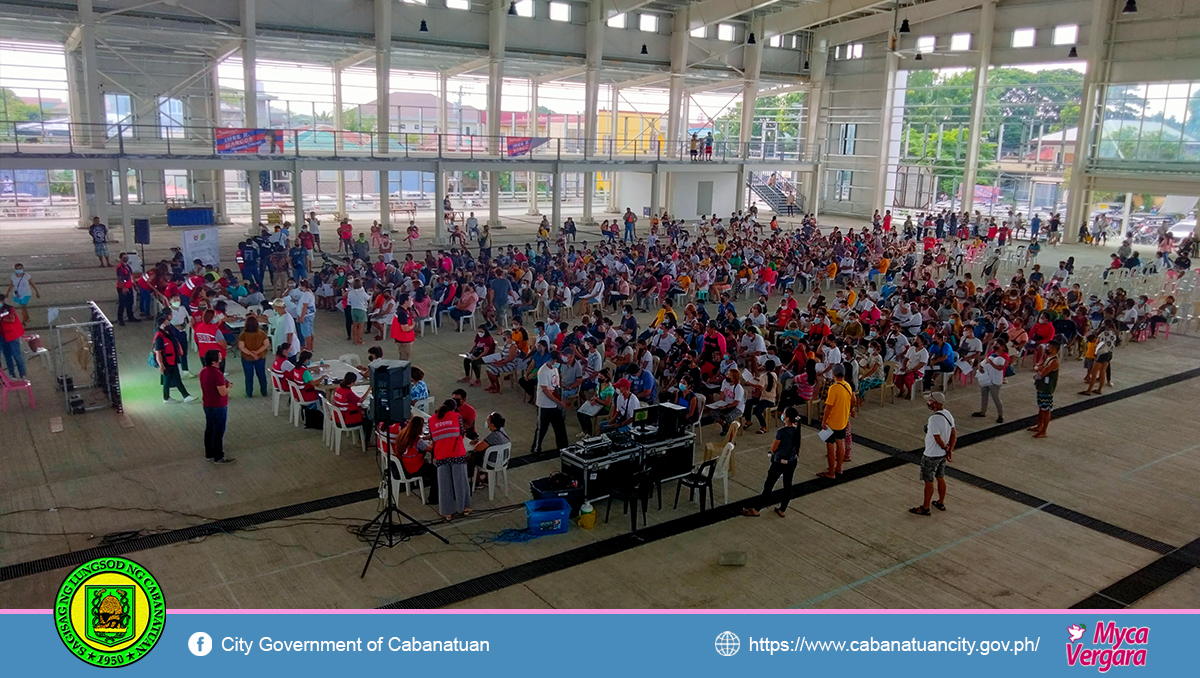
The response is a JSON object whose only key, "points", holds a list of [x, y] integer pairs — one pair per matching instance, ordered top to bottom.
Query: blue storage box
{"points": [[548, 516]]}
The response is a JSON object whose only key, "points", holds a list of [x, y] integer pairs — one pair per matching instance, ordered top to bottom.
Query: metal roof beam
{"points": [[615, 7], [709, 12], [814, 13], [882, 23], [355, 59], [463, 69], [561, 74], [643, 81]]}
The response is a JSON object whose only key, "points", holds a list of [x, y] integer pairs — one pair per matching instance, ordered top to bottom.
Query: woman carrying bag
{"points": [[990, 376]]}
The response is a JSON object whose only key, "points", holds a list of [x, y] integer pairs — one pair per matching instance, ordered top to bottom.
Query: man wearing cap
{"points": [[283, 330], [550, 404], [940, 438]]}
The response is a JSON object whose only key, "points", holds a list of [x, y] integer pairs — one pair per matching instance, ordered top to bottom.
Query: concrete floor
{"points": [[1132, 463]]}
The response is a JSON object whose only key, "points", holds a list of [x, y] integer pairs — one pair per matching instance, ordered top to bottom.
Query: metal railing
{"points": [[119, 139]]}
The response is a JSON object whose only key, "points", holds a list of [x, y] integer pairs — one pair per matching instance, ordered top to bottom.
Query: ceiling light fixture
{"points": [[1130, 7], [512, 8], [424, 26], [904, 29], [751, 41], [644, 50], [1073, 54], [918, 57], [806, 64]]}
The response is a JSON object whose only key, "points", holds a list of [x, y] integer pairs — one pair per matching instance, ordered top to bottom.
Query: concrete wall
{"points": [[855, 95], [684, 188], [633, 191]]}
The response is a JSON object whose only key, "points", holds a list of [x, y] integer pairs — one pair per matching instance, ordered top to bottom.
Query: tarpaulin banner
{"points": [[260, 141], [522, 145], [201, 244]]}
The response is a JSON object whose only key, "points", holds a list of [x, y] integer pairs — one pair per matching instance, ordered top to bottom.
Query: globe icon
{"points": [[728, 644]]}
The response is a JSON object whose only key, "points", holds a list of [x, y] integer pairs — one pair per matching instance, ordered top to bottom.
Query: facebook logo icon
{"points": [[200, 643]]}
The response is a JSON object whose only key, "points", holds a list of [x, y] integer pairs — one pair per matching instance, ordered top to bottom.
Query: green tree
{"points": [[13, 111]]}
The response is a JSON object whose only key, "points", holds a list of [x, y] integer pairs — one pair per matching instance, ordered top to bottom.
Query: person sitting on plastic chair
{"points": [[624, 406]]}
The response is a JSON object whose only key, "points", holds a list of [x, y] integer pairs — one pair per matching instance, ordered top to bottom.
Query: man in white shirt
{"points": [[314, 227], [472, 227], [283, 330], [752, 345], [969, 350], [830, 355], [913, 368], [550, 405], [624, 405], [940, 438]]}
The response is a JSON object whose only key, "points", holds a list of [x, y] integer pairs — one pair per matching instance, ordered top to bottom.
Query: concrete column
{"points": [[987, 21], [497, 23], [594, 46], [752, 62], [891, 65], [1093, 84], [93, 89], [383, 95], [250, 99], [675, 105], [533, 132], [812, 135], [339, 139], [589, 188], [655, 191], [297, 195], [439, 195], [556, 200], [219, 202], [613, 202], [1125, 214], [126, 219]]}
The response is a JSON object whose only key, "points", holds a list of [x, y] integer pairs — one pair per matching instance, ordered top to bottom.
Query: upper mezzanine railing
{"points": [[24, 139]]}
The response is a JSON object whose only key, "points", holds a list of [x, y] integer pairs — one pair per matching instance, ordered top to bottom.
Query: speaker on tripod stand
{"points": [[390, 384]]}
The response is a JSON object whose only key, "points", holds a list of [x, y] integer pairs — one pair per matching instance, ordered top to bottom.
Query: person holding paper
{"points": [[835, 421]]}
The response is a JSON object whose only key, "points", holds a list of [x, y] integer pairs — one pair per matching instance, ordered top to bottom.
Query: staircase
{"points": [[775, 196]]}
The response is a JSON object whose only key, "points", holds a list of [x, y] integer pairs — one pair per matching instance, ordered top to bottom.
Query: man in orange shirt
{"points": [[836, 420]]}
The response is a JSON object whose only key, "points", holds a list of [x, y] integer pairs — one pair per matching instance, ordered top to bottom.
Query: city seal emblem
{"points": [[110, 612]]}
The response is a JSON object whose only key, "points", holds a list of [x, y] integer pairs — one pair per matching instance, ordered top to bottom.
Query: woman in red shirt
{"points": [[208, 336], [300, 376], [349, 404], [404, 444], [450, 458]]}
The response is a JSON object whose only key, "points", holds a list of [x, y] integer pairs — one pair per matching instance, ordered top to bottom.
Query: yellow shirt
{"points": [[720, 248], [883, 264], [831, 270], [851, 298], [662, 315], [839, 399]]}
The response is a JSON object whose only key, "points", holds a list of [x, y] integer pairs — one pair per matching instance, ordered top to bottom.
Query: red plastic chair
{"points": [[17, 385]]}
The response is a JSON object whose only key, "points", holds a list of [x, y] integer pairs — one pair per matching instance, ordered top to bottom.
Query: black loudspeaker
{"points": [[141, 231], [391, 381]]}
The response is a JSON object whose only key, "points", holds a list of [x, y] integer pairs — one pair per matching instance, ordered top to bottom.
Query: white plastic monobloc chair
{"points": [[350, 359], [279, 390], [424, 405], [338, 427], [495, 465], [722, 471], [403, 481]]}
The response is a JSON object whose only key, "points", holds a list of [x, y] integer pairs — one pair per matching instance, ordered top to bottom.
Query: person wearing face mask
{"points": [[21, 287], [125, 291], [181, 321], [209, 337], [484, 345], [168, 354], [870, 368], [550, 405]]}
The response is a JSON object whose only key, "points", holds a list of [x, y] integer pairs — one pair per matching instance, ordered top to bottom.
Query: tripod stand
{"points": [[391, 517]]}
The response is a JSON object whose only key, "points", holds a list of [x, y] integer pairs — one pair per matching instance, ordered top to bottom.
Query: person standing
{"points": [[630, 226], [314, 227], [99, 233], [299, 259], [20, 289], [125, 291], [403, 327], [11, 331], [253, 345], [167, 353], [990, 376], [1045, 381], [214, 388], [550, 405], [836, 420], [940, 438], [784, 454], [450, 457]]}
